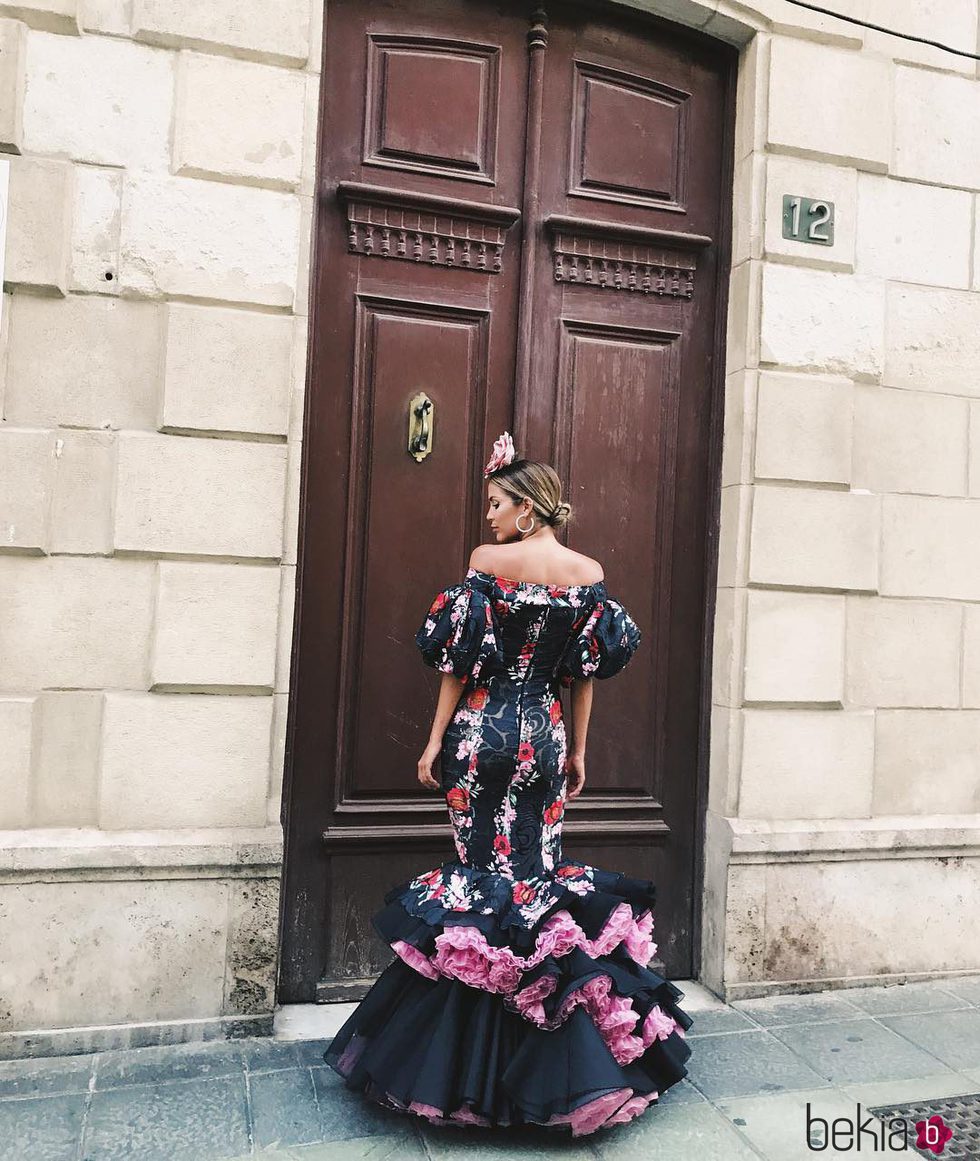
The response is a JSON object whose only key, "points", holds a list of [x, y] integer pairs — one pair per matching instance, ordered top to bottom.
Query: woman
{"points": [[520, 994]]}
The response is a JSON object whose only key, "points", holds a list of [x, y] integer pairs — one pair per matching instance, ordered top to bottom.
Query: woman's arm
{"points": [[449, 691], [581, 701]]}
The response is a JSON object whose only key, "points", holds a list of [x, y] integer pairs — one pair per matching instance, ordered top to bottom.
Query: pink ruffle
{"points": [[462, 951], [614, 1016], [612, 1108]]}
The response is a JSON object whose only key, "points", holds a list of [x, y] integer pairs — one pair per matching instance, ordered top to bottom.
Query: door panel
{"points": [[434, 251]]}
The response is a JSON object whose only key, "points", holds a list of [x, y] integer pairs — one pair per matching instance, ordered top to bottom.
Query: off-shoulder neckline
{"points": [[534, 584]]}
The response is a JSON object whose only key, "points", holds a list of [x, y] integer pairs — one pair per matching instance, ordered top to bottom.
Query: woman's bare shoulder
{"points": [[509, 560]]}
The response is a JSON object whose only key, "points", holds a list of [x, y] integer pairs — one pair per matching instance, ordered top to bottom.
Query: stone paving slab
{"points": [[755, 1067]]}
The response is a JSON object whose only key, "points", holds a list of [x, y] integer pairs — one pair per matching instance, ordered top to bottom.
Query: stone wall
{"points": [[152, 371]]}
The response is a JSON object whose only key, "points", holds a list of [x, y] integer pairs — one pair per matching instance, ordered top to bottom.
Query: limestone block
{"points": [[50, 15], [107, 16], [952, 22], [276, 33], [13, 52], [315, 61], [752, 96], [98, 99], [828, 102], [238, 120], [937, 128], [311, 129], [800, 177], [748, 206], [38, 229], [95, 229], [913, 233], [207, 239], [744, 297], [301, 299], [5, 301], [817, 320], [933, 339], [242, 356], [85, 361], [297, 364], [741, 390], [804, 428], [910, 441], [975, 448], [26, 478], [84, 481], [215, 497], [293, 515], [733, 534], [810, 538], [930, 547], [197, 605], [74, 622], [284, 629], [794, 647], [902, 653], [727, 656], [971, 656], [280, 714], [16, 728], [725, 758], [183, 760], [926, 762], [66, 764], [807, 764], [817, 924], [742, 934], [253, 947], [124, 950]]}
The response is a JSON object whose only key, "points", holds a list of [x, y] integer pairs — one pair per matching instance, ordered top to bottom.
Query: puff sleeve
{"points": [[460, 633], [603, 644]]}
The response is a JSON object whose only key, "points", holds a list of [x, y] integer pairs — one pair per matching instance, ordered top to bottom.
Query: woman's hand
{"points": [[429, 755], [575, 772]]}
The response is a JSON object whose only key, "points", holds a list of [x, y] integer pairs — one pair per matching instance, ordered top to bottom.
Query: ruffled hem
{"points": [[452, 1054]]}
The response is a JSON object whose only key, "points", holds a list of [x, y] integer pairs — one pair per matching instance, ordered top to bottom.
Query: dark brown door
{"points": [[522, 219]]}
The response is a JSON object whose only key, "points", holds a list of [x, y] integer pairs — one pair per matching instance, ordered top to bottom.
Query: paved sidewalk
{"points": [[756, 1065]]}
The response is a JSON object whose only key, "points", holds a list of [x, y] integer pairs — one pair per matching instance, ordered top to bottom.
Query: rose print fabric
{"points": [[520, 993]]}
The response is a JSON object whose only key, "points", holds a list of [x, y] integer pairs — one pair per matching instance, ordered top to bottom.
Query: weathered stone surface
{"points": [[98, 99], [830, 103], [239, 121], [208, 239], [38, 243], [242, 356], [84, 361], [803, 428], [209, 497], [196, 603], [74, 622], [794, 648], [902, 653], [184, 760], [926, 762], [807, 764]]}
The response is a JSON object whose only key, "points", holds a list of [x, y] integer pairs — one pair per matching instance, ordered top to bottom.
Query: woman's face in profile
{"points": [[502, 514]]}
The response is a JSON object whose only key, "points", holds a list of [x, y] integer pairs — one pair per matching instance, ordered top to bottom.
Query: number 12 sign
{"points": [[808, 220]]}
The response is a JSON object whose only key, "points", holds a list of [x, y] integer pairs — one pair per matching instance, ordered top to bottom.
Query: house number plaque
{"points": [[808, 220]]}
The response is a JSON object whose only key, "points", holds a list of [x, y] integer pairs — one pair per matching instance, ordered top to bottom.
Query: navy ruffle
{"points": [[460, 633], [603, 645]]}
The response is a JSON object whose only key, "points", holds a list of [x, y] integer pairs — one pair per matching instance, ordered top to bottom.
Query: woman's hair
{"points": [[538, 483]]}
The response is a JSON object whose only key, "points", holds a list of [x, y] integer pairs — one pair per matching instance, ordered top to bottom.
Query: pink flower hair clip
{"points": [[502, 454]]}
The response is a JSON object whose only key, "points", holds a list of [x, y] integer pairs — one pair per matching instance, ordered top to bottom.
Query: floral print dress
{"points": [[510, 941]]}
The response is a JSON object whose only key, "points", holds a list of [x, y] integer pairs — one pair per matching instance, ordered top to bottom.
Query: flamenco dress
{"points": [[520, 992]]}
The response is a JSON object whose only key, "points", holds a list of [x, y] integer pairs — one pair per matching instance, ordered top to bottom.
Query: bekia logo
{"points": [[871, 1135]]}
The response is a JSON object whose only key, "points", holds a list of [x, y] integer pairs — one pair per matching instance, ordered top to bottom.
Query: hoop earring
{"points": [[517, 523]]}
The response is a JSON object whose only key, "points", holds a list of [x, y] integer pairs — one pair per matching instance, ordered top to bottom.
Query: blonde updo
{"points": [[537, 482]]}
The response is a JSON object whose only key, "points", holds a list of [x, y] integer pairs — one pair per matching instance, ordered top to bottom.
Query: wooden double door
{"points": [[522, 219]]}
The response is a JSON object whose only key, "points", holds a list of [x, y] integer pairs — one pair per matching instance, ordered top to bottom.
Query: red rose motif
{"points": [[505, 585], [437, 604], [501, 608], [593, 647], [478, 699], [555, 712], [525, 752], [458, 798], [553, 812], [501, 844], [569, 872], [430, 877], [523, 892]]}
